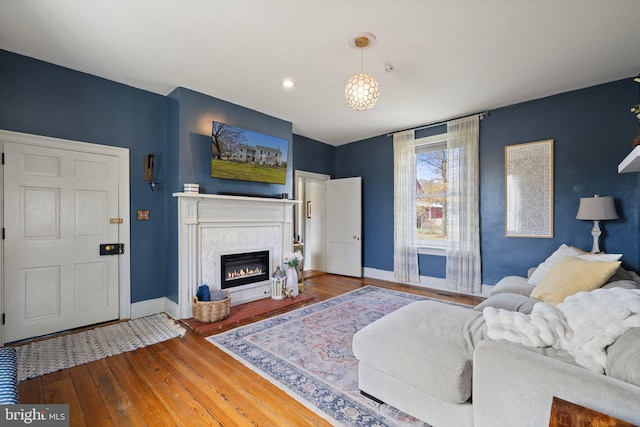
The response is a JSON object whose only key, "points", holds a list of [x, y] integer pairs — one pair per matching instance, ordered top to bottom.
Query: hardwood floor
{"points": [[187, 381]]}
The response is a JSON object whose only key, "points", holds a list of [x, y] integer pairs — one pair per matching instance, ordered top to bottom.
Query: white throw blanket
{"points": [[583, 325]]}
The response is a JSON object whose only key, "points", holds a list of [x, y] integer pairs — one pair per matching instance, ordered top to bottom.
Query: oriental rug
{"points": [[66, 351], [307, 353]]}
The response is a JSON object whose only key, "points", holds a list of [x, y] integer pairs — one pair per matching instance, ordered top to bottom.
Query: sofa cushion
{"points": [[562, 252], [572, 275], [626, 284], [512, 285], [508, 301], [427, 344], [623, 357]]}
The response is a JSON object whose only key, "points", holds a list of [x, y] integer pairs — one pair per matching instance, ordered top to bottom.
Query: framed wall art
{"points": [[529, 189]]}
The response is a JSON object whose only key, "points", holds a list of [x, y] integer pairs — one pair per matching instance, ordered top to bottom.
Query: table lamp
{"points": [[596, 209]]}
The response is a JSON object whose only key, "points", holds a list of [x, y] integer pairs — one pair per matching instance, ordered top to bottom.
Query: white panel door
{"points": [[57, 209], [343, 213], [314, 226]]}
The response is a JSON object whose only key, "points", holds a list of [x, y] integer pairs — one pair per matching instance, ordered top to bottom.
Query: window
{"points": [[431, 193]]}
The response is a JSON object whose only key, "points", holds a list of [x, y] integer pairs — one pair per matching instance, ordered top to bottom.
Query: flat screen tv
{"points": [[246, 155]]}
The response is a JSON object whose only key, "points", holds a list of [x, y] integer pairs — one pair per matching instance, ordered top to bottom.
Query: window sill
{"points": [[432, 250]]}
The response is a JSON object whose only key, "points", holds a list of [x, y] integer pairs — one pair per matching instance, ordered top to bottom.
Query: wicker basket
{"points": [[211, 311]]}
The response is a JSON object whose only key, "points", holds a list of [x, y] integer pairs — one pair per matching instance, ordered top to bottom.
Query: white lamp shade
{"points": [[361, 92], [596, 208]]}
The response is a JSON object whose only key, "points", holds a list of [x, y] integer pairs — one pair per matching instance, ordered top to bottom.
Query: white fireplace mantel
{"points": [[211, 225]]}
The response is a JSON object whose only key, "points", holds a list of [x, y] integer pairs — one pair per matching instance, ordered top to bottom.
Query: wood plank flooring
{"points": [[187, 381]]}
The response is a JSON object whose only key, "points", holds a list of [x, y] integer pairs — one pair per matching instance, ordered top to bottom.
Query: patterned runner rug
{"points": [[66, 351], [307, 352]]}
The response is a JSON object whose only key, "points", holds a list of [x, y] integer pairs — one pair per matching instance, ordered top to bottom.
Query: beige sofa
{"points": [[434, 361]]}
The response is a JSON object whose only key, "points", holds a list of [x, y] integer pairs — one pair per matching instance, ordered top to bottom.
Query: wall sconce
{"points": [[148, 171], [596, 209]]}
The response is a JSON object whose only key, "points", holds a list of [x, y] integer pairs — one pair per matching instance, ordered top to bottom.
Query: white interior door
{"points": [[57, 209], [313, 209], [343, 213]]}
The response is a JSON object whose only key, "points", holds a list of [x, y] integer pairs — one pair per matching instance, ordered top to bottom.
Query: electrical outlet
{"points": [[143, 215]]}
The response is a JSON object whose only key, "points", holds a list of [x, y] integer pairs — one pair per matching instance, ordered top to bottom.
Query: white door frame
{"points": [[300, 178], [124, 260]]}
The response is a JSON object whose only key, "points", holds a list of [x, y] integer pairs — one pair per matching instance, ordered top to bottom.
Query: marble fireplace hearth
{"points": [[211, 226]]}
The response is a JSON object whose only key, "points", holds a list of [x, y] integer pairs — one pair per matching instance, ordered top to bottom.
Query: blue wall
{"points": [[44, 99], [189, 122], [592, 129], [313, 156]]}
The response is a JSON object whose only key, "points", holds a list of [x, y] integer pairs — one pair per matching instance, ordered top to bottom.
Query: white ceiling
{"points": [[450, 57]]}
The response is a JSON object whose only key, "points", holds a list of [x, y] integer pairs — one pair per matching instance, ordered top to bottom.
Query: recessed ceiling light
{"points": [[288, 83]]}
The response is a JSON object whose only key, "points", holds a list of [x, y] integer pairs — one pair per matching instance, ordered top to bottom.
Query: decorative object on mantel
{"points": [[361, 92], [192, 188], [596, 209], [292, 259], [278, 283], [214, 310]]}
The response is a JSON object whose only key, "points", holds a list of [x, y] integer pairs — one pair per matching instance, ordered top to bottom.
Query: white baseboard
{"points": [[425, 281], [154, 306]]}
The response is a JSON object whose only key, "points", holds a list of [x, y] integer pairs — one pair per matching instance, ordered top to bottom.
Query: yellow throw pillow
{"points": [[572, 275]]}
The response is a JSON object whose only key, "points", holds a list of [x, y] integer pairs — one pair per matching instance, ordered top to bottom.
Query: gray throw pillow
{"points": [[627, 284], [510, 302], [623, 357]]}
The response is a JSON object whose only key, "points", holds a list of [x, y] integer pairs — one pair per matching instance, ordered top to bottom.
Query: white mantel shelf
{"points": [[631, 163], [235, 198], [211, 225]]}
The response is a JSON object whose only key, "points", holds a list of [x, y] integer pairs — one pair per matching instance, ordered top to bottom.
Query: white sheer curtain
{"points": [[463, 219], [405, 248]]}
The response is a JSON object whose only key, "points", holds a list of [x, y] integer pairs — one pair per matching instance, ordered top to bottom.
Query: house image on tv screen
{"points": [[259, 154], [247, 155]]}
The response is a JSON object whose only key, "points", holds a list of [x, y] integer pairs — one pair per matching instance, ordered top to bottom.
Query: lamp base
{"points": [[595, 232]]}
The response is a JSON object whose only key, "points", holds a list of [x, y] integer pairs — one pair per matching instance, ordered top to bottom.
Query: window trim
{"points": [[431, 247]]}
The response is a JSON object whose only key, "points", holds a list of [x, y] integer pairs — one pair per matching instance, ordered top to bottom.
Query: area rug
{"points": [[251, 310], [66, 351], [307, 352]]}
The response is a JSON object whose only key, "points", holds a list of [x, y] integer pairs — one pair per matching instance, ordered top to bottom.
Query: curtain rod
{"points": [[443, 122]]}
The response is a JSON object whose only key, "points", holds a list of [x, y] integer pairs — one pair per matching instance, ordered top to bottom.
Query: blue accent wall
{"points": [[44, 99], [190, 119], [592, 129], [313, 156], [372, 159]]}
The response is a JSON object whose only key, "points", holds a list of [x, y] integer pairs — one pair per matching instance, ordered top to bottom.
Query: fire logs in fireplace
{"points": [[244, 268]]}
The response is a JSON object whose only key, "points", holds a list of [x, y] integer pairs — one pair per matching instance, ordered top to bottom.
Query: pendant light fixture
{"points": [[361, 92]]}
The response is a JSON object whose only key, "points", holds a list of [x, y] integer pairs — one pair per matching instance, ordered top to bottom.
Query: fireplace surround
{"points": [[211, 227]]}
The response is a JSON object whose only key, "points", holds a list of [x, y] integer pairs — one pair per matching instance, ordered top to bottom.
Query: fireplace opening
{"points": [[244, 268]]}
